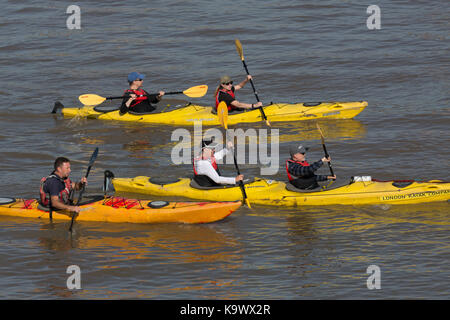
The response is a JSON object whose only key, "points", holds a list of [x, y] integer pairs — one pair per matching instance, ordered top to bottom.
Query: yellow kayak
{"points": [[191, 113], [271, 192], [117, 209]]}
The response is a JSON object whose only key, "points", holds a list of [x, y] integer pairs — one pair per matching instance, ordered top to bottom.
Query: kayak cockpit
{"points": [[163, 180], [195, 185], [325, 186], [87, 200]]}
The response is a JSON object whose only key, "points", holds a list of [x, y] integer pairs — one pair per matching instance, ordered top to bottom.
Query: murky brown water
{"points": [[296, 52]]}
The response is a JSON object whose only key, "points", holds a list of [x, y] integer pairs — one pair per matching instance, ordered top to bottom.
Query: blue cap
{"points": [[134, 76]]}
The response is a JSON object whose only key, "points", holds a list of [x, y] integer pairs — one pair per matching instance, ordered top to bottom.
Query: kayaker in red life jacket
{"points": [[226, 92], [137, 99], [206, 171], [301, 173], [59, 186]]}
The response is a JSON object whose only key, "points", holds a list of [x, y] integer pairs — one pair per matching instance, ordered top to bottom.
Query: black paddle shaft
{"points": [[251, 81], [254, 91], [145, 95], [327, 156], [91, 163], [241, 184], [50, 208]]}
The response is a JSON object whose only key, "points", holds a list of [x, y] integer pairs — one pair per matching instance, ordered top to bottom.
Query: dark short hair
{"points": [[59, 162]]}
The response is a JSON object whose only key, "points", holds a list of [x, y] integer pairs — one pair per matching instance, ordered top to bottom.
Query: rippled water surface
{"points": [[297, 51]]}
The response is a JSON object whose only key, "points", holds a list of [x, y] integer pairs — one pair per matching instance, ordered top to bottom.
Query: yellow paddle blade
{"points": [[239, 49], [197, 91], [91, 99], [222, 113], [321, 133], [248, 203]]}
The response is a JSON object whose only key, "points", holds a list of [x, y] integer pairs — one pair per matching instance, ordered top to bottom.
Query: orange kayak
{"points": [[118, 209]]}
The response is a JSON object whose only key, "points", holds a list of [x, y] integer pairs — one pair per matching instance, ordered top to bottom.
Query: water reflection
{"points": [[333, 130], [176, 243]]}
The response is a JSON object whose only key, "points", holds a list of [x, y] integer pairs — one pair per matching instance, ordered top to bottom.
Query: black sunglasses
{"points": [[227, 83]]}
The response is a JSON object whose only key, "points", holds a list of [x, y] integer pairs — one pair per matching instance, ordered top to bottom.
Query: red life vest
{"points": [[230, 92], [141, 96], [213, 163], [302, 163], [63, 196]]}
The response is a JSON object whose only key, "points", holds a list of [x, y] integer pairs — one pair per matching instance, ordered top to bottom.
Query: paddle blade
{"points": [[239, 49], [197, 91], [91, 99], [222, 113], [321, 133], [93, 157], [91, 161], [248, 203]]}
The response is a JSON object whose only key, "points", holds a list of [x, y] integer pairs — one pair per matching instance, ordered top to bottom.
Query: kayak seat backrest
{"points": [[311, 104], [178, 106], [103, 109], [141, 113], [162, 180], [401, 184], [195, 185], [325, 186], [291, 187], [91, 199], [87, 200], [43, 208]]}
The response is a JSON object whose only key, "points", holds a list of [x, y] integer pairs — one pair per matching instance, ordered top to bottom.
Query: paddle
{"points": [[241, 54], [93, 99], [222, 112], [325, 149], [91, 163]]}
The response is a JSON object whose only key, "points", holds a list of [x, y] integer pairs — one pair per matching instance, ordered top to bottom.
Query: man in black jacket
{"points": [[301, 174]]}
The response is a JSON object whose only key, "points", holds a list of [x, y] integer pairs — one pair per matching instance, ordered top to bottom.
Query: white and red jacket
{"points": [[209, 168]]}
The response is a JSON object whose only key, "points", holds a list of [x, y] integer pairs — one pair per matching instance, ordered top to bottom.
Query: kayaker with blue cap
{"points": [[226, 92], [137, 100], [206, 171], [301, 174]]}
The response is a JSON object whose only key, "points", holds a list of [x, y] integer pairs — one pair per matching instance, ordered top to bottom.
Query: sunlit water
{"points": [[296, 52]]}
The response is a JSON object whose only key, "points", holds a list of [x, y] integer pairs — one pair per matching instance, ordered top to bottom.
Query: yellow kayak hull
{"points": [[190, 114], [274, 193], [117, 209]]}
